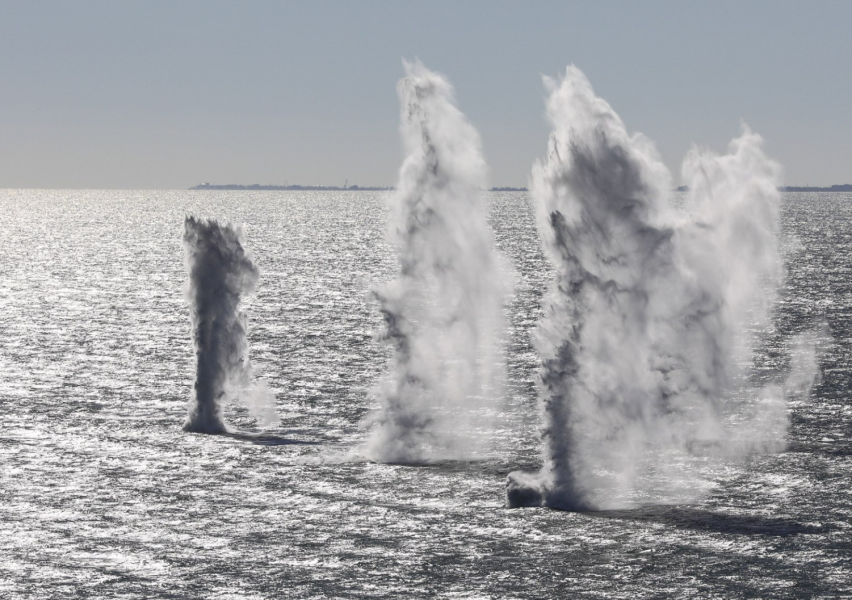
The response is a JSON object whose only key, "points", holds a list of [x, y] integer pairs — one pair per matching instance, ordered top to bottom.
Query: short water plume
{"points": [[220, 273], [444, 313], [652, 321]]}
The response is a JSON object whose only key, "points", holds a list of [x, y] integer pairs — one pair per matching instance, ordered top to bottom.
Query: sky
{"points": [[117, 94]]}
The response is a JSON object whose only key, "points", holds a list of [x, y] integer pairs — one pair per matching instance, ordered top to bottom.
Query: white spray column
{"points": [[220, 273], [444, 313], [651, 322]]}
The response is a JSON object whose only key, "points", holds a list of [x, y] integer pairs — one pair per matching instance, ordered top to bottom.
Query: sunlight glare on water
{"points": [[103, 494]]}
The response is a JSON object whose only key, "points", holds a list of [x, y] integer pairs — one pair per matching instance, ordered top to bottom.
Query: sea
{"points": [[103, 495]]}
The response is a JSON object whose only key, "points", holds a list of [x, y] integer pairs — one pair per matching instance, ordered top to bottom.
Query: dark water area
{"points": [[103, 495]]}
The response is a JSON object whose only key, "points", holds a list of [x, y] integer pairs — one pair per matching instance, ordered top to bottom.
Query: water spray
{"points": [[220, 273], [444, 313]]}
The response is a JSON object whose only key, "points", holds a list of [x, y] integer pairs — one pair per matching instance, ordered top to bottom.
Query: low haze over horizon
{"points": [[100, 94]]}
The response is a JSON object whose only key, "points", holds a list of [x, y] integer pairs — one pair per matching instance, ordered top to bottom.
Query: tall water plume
{"points": [[220, 273], [444, 313], [652, 320]]}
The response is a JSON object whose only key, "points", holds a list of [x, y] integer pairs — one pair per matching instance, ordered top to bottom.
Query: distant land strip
{"points": [[256, 186], [843, 187], [326, 188]]}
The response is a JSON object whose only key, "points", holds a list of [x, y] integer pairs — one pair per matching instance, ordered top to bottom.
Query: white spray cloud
{"points": [[220, 273], [444, 313], [651, 323], [806, 350]]}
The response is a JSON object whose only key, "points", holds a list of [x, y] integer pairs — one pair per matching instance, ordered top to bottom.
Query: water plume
{"points": [[220, 273], [444, 313], [652, 321]]}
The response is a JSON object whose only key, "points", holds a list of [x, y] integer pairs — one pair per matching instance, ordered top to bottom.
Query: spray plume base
{"points": [[208, 428], [257, 438], [524, 490]]}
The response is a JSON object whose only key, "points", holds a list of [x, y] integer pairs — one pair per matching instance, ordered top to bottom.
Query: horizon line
{"points": [[843, 187]]}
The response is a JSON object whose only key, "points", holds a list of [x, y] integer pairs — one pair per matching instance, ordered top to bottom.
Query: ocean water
{"points": [[103, 495]]}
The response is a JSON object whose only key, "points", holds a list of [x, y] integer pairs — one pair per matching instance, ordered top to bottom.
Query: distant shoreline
{"points": [[258, 187], [845, 187], [325, 188]]}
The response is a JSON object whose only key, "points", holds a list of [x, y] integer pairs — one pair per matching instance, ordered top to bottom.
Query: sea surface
{"points": [[102, 495]]}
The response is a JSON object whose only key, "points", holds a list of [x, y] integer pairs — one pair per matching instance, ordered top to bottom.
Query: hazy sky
{"points": [[167, 94]]}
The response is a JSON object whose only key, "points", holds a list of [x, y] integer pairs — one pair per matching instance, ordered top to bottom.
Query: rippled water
{"points": [[103, 495]]}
